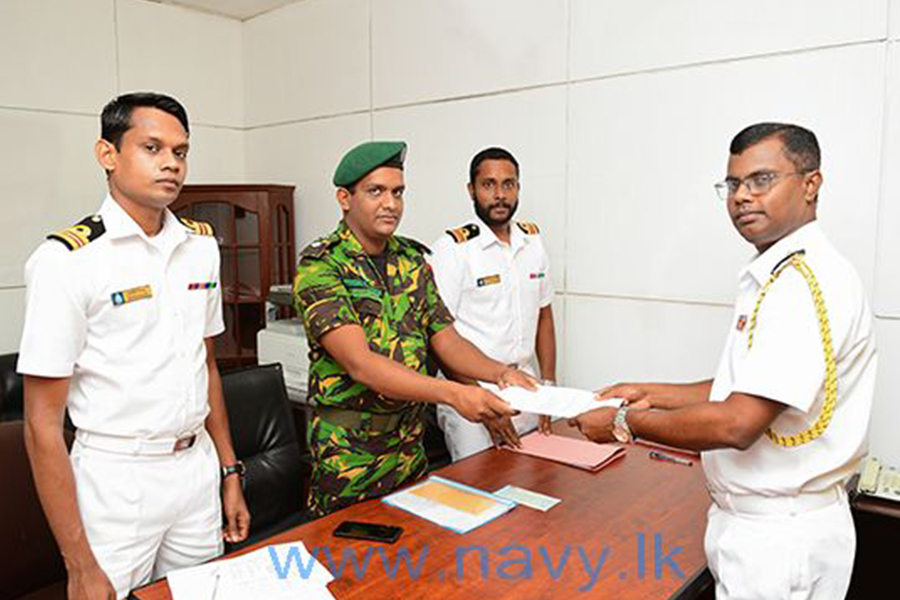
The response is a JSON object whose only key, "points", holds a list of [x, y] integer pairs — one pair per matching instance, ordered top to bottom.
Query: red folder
{"points": [[582, 454]]}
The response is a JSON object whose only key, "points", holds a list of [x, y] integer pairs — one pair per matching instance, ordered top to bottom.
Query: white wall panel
{"points": [[894, 21], [610, 36], [427, 49], [57, 55], [192, 56], [307, 59], [444, 137], [645, 151], [305, 155], [216, 156], [50, 181], [887, 281], [559, 322], [611, 340], [883, 441]]}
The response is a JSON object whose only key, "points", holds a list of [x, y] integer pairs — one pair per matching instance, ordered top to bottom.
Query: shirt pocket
{"points": [[485, 292], [195, 303], [369, 310], [124, 316]]}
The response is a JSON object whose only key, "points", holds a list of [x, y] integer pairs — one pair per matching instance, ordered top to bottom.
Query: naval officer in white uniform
{"points": [[494, 276], [120, 314], [783, 425]]}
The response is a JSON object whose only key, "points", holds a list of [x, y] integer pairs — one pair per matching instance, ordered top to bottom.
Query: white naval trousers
{"points": [[465, 438], [145, 515], [803, 556]]}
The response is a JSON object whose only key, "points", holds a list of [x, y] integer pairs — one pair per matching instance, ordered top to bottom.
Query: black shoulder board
{"points": [[197, 227], [529, 228], [464, 233], [81, 234], [788, 258]]}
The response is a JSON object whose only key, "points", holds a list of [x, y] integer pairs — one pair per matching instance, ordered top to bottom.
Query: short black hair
{"points": [[116, 117], [800, 144], [493, 153]]}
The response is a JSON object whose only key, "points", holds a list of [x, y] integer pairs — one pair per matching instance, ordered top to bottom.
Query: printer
{"points": [[284, 341]]}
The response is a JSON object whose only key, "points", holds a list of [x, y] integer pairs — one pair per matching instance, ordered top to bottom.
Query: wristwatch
{"points": [[621, 431], [233, 469]]}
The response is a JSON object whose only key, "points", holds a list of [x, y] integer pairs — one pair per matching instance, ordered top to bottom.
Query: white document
{"points": [[554, 401], [534, 500], [292, 573]]}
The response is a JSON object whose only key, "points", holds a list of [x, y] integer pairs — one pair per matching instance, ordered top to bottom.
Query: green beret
{"points": [[367, 157]]}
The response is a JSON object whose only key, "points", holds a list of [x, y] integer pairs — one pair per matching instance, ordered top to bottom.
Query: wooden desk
{"points": [[633, 499]]}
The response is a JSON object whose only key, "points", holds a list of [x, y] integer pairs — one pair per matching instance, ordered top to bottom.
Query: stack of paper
{"points": [[554, 401], [569, 451], [450, 504], [279, 572]]}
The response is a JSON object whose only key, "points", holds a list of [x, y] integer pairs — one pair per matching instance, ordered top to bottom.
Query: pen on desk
{"points": [[669, 458]]}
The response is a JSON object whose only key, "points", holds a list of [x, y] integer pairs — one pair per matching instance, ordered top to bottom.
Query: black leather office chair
{"points": [[10, 389], [12, 392], [265, 439], [31, 567]]}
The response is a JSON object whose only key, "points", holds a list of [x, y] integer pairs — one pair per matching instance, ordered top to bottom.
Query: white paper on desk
{"points": [[554, 401], [255, 575]]}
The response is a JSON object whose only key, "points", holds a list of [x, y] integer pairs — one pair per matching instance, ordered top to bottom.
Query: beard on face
{"points": [[485, 213]]}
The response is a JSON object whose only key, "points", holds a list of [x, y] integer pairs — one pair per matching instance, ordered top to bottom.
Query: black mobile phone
{"points": [[368, 531]]}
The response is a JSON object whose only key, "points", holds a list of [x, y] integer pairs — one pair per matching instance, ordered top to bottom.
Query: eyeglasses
{"points": [[757, 183]]}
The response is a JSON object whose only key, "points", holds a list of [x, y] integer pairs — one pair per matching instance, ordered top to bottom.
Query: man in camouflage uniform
{"points": [[372, 314]]}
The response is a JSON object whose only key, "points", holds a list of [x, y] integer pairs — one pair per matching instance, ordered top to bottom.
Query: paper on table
{"points": [[554, 401], [570, 451], [541, 502], [450, 504], [257, 574]]}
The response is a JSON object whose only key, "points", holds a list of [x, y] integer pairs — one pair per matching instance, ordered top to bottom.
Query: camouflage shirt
{"points": [[338, 284]]}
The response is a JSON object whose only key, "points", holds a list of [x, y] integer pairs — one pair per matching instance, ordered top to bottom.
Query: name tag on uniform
{"points": [[536, 276], [489, 280], [356, 283], [202, 285], [360, 288], [131, 295], [741, 323]]}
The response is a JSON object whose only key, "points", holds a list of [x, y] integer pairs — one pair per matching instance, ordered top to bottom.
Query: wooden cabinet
{"points": [[254, 225]]}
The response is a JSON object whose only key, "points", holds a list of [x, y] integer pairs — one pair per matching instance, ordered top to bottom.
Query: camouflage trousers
{"points": [[352, 465]]}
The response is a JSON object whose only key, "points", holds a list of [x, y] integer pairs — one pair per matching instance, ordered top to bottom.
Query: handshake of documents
{"points": [[554, 401]]}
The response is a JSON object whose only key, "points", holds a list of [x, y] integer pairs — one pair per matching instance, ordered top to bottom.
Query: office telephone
{"points": [[877, 479]]}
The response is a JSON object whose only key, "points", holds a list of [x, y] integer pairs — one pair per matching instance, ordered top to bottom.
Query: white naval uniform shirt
{"points": [[495, 291], [787, 364], [138, 369]]}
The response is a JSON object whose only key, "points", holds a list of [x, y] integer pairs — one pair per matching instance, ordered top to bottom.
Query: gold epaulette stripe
{"points": [[197, 227], [529, 228], [464, 233], [80, 235], [73, 238], [824, 419]]}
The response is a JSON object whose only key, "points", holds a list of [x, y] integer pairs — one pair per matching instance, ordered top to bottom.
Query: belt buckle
{"points": [[184, 443]]}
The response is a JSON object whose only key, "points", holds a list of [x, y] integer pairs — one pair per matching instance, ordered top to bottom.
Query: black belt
{"points": [[357, 419]]}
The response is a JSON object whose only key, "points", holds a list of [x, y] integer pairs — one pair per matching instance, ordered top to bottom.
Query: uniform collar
{"points": [[119, 224], [517, 239], [352, 245], [762, 265]]}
